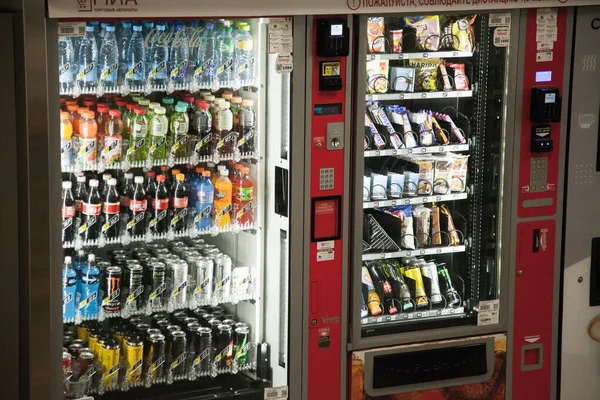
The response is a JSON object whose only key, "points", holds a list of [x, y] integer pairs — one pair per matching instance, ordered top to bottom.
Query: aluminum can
{"points": [[223, 277], [179, 280], [204, 280], [158, 286], [135, 288], [111, 303], [224, 340], [242, 345], [203, 351], [177, 354], [134, 358], [110, 359], [155, 359]]}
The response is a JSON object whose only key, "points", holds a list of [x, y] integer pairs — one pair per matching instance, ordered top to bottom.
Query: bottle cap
{"points": [[126, 24], [149, 24], [210, 25], [160, 27], [179, 27], [245, 27], [110, 28], [137, 28], [89, 29], [227, 96], [209, 97], [168, 100], [236, 100], [218, 101], [89, 102], [144, 102], [120, 103], [247, 103], [153, 105], [203, 105], [225, 105], [131, 106], [72, 107], [102, 107], [181, 107], [81, 110], [160, 110], [140, 111], [114, 113], [64, 114], [89, 114], [238, 166], [221, 167], [164, 168], [199, 169], [245, 170], [175, 171], [224, 172], [206, 173], [151, 174], [129, 175], [106, 177], [180, 177], [81, 178], [160, 178], [139, 179], [112, 181], [93, 182], [67, 185], [91, 257], [67, 259]]}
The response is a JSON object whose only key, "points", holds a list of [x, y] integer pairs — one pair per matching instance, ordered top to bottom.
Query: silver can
{"points": [[429, 270], [223, 276], [204, 279], [179, 281]]}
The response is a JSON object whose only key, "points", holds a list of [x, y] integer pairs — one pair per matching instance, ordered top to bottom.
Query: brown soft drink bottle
{"points": [[126, 192], [80, 196], [179, 204], [137, 208], [90, 210], [111, 210], [68, 213], [159, 219]]}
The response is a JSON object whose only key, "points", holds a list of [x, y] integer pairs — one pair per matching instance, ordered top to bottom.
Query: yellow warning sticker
{"points": [[331, 68]]}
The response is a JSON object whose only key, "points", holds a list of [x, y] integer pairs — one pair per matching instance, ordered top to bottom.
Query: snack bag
{"points": [[427, 31], [458, 34], [376, 35], [396, 40], [426, 73], [377, 76], [445, 79], [461, 82], [455, 131], [440, 136], [376, 138], [442, 175], [458, 182], [425, 187], [422, 216], [452, 232], [436, 236]]}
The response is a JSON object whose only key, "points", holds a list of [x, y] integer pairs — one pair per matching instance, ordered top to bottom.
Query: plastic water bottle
{"points": [[96, 26], [148, 26], [102, 33], [194, 35], [123, 46], [225, 55], [179, 57], [136, 58], [244, 58], [88, 60], [108, 60], [158, 60], [205, 63], [66, 66], [204, 202], [90, 280], [69, 287]]}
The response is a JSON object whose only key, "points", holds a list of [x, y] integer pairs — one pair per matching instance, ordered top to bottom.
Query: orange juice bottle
{"points": [[88, 128], [223, 198], [244, 198]]}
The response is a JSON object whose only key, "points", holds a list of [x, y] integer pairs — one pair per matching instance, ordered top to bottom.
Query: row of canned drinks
{"points": [[144, 280], [145, 351]]}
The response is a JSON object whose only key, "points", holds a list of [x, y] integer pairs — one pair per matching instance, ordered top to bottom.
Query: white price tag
{"points": [[499, 20], [72, 29], [501, 37], [284, 64], [325, 245], [325, 255], [489, 312], [278, 393]]}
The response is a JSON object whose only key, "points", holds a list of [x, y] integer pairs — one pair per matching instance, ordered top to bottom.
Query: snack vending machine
{"points": [[175, 152], [438, 170]]}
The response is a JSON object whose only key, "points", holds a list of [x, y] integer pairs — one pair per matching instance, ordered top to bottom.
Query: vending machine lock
{"points": [[333, 38], [545, 104], [540, 139]]}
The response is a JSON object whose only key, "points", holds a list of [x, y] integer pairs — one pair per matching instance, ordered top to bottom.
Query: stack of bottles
{"points": [[156, 56], [119, 132], [182, 275], [143, 351]]}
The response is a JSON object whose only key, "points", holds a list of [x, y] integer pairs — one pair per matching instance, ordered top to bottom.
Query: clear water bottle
{"points": [[96, 26], [148, 26], [102, 33], [194, 35], [123, 46], [225, 55], [179, 56], [244, 57], [136, 59], [88, 60], [108, 60], [158, 60], [66, 66], [204, 74]]}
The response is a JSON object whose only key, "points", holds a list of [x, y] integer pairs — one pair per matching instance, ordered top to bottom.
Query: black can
{"points": [[138, 250], [120, 260], [158, 285], [135, 287], [112, 297], [217, 314], [229, 316], [179, 317], [205, 318], [189, 320], [135, 321], [230, 322], [163, 324], [214, 325], [143, 330], [242, 345], [74, 349], [203, 350], [177, 354], [224, 354], [155, 358]]}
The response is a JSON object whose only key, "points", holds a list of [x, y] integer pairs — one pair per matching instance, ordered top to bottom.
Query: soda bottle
{"points": [[123, 46], [179, 56], [244, 58], [136, 59], [108, 60], [158, 60], [66, 63], [224, 72], [87, 74], [204, 74], [168, 105], [236, 106], [101, 119], [202, 122], [247, 122], [159, 126], [179, 130], [66, 134], [224, 135], [113, 140], [138, 151], [86, 156], [164, 170], [194, 180], [104, 185], [150, 185], [126, 192], [80, 195], [244, 197], [223, 198], [204, 203], [138, 204], [179, 204], [90, 210], [111, 210], [68, 213], [159, 219], [90, 283], [384, 287], [69, 290], [373, 300]]}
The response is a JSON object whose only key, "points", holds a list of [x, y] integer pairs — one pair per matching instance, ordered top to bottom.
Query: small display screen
{"points": [[337, 30], [543, 76], [328, 109]]}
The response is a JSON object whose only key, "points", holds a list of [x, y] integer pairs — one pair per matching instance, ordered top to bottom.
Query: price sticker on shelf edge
{"points": [[284, 63], [326, 219]]}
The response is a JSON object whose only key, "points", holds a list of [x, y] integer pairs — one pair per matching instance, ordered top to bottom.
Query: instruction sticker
{"points": [[499, 20], [501, 37], [543, 56], [284, 64], [325, 245], [325, 255], [489, 312]]}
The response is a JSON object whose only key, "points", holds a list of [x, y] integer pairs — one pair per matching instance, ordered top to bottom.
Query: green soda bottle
{"points": [[151, 108], [180, 123], [159, 126], [138, 150]]}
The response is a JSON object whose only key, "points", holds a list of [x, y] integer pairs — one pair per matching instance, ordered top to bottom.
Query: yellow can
{"points": [[414, 273], [134, 354], [109, 358]]}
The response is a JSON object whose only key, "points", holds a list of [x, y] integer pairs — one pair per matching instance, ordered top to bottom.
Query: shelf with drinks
{"points": [[150, 56], [417, 150], [416, 252], [458, 312], [142, 352]]}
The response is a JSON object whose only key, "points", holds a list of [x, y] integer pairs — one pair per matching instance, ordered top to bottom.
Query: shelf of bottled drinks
{"points": [[159, 157]]}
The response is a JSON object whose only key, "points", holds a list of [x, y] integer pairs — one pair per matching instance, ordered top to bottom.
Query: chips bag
{"points": [[427, 31], [426, 73]]}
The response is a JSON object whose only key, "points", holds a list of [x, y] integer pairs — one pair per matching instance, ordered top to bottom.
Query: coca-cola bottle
{"points": [[104, 184], [150, 185], [126, 192], [81, 193], [138, 204], [179, 204], [90, 210], [111, 211], [68, 212], [159, 219], [393, 272], [384, 287]]}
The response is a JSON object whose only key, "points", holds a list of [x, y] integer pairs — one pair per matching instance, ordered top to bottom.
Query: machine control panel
{"points": [[335, 136], [539, 174], [326, 179]]}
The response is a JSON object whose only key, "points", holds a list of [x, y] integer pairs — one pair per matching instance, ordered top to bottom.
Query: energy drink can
{"points": [[137, 250], [117, 253], [429, 271], [414, 273], [223, 277], [204, 278], [179, 280], [158, 286], [102, 288], [451, 294], [134, 302], [111, 303], [218, 314], [229, 316], [179, 317], [188, 320], [135, 321], [230, 322], [163, 324], [214, 325], [143, 330], [82, 331], [67, 339], [224, 341], [242, 345], [202, 351], [134, 353], [177, 355], [155, 359], [67, 362], [110, 364], [85, 366]]}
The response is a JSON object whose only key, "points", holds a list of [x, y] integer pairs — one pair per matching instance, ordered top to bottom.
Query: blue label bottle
{"points": [[204, 202], [90, 279], [69, 290]]}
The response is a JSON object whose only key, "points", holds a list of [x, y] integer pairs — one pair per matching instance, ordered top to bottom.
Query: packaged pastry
{"points": [[427, 31], [376, 34], [396, 40], [425, 73], [377, 76], [445, 79], [381, 118], [424, 128], [441, 136], [410, 137], [377, 140], [444, 168], [458, 181], [411, 183], [395, 185], [378, 187], [425, 187], [366, 188], [421, 216], [436, 236], [454, 239]]}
